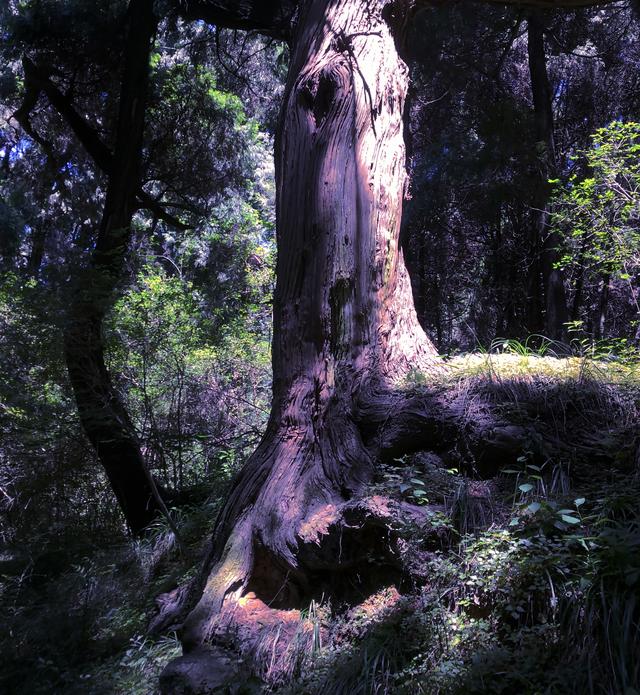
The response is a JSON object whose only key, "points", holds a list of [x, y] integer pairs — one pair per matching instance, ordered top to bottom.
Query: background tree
{"points": [[197, 124], [475, 163]]}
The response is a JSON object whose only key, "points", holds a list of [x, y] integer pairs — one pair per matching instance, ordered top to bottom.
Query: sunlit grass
{"points": [[509, 359], [498, 366]]}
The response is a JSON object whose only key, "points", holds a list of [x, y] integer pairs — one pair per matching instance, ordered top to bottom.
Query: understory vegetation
{"points": [[528, 574], [518, 578], [75, 590]]}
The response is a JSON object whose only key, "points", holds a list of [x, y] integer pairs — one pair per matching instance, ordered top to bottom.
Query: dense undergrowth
{"points": [[525, 580], [531, 583], [84, 629]]}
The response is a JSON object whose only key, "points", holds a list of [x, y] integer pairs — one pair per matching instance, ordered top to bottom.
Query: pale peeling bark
{"points": [[345, 327]]}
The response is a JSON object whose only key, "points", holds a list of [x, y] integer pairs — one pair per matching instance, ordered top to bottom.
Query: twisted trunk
{"points": [[346, 334], [346, 338]]}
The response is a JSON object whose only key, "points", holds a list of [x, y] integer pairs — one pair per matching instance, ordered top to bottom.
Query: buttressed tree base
{"points": [[346, 336]]}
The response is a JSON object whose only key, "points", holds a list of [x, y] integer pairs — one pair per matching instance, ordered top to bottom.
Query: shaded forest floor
{"points": [[519, 570]]}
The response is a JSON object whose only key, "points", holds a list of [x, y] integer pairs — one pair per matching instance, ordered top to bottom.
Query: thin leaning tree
{"points": [[102, 412]]}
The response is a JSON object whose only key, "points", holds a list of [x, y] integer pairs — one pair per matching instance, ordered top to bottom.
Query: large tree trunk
{"points": [[547, 284], [346, 335], [103, 415]]}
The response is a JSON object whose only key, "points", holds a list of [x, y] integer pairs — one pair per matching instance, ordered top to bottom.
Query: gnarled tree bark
{"points": [[346, 334]]}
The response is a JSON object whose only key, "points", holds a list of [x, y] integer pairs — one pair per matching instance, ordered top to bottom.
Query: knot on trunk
{"points": [[324, 92]]}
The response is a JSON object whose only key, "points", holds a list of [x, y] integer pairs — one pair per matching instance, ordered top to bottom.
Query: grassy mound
{"points": [[534, 586]]}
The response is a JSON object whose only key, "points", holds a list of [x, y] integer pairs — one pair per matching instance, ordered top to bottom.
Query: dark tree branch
{"points": [[531, 4], [270, 17], [275, 18], [513, 35], [37, 81], [22, 115], [147, 202]]}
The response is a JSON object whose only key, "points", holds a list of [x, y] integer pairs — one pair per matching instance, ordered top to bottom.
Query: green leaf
{"points": [[417, 481], [525, 487], [419, 493], [579, 502], [534, 507], [570, 519]]}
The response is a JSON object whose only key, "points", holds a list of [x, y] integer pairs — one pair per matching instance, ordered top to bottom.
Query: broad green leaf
{"points": [[570, 519]]}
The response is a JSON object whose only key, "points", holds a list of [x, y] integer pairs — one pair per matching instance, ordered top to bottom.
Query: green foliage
{"points": [[597, 211], [582, 359], [195, 396], [47, 471], [404, 482], [528, 582], [532, 610], [83, 629]]}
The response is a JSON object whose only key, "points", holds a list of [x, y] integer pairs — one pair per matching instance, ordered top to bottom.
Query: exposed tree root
{"points": [[299, 519], [321, 535], [346, 543], [252, 600], [254, 603]]}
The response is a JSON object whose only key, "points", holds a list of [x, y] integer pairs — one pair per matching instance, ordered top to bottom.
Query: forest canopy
{"points": [[319, 332]]}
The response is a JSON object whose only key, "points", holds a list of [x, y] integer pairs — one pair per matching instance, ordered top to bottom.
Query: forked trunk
{"points": [[346, 332]]}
